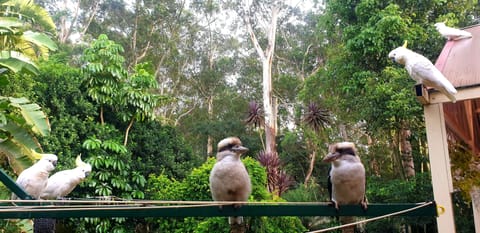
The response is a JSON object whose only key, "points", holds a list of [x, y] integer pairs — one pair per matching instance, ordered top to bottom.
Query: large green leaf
{"points": [[27, 10], [9, 25], [40, 39], [16, 61], [32, 114], [17, 148]]}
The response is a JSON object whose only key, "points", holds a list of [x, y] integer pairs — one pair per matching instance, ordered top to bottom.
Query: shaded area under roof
{"points": [[459, 61]]}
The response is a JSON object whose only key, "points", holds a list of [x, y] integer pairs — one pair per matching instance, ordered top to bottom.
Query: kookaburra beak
{"points": [[240, 149], [331, 157]]}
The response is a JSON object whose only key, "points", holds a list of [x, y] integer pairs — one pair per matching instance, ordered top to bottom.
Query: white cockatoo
{"points": [[452, 33], [422, 70], [35, 178], [229, 179], [346, 180], [63, 182]]}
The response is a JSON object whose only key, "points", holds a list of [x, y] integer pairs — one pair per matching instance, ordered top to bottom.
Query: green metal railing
{"points": [[10, 183], [28, 208], [139, 209]]}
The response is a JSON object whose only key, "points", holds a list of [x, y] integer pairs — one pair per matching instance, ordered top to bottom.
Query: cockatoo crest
{"points": [[78, 161], [63, 182]]}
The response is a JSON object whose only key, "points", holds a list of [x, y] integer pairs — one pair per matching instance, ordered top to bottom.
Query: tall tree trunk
{"points": [[92, 15], [66, 30], [267, 59], [210, 116], [102, 121], [127, 131], [406, 152], [310, 167]]}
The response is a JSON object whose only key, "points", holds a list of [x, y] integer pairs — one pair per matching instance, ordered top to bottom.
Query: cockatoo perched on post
{"points": [[452, 33], [422, 70], [34, 179], [229, 180], [346, 181], [63, 182]]}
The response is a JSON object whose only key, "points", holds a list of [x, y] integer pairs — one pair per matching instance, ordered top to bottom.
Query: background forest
{"points": [[145, 89]]}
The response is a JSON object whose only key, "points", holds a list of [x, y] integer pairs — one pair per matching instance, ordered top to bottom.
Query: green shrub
{"points": [[195, 187]]}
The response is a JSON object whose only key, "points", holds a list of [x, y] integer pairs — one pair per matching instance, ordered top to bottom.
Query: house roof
{"points": [[459, 61]]}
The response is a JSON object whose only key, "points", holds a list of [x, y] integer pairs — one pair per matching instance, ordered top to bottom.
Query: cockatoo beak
{"points": [[331, 157], [87, 174]]}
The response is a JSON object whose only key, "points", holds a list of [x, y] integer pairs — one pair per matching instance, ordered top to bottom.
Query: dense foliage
{"points": [[144, 90], [195, 187]]}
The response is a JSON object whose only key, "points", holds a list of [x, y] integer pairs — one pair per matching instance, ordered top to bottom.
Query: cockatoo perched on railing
{"points": [[452, 33], [422, 70], [34, 179], [229, 180], [346, 180], [63, 182]]}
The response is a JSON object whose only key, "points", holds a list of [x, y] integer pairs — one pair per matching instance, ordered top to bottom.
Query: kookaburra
{"points": [[34, 179], [229, 179], [346, 180]]}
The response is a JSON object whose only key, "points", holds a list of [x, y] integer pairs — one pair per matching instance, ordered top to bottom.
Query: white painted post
{"points": [[440, 165], [475, 194]]}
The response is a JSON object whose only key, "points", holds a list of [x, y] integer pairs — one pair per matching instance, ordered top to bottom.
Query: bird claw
{"points": [[334, 204], [364, 206]]}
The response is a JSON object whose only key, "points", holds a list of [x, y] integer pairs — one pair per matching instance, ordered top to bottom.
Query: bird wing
{"points": [[454, 33], [61, 184], [329, 185]]}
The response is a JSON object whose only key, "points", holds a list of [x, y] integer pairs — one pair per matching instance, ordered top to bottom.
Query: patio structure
{"points": [[460, 121]]}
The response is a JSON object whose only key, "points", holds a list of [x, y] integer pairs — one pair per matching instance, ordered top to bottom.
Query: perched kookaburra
{"points": [[452, 33], [34, 179], [229, 180], [346, 181], [63, 182]]}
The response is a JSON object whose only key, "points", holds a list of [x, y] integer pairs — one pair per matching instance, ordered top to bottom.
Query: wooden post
{"points": [[440, 165]]}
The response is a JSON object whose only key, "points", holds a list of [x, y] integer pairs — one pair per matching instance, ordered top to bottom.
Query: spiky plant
{"points": [[255, 115], [316, 117], [278, 180]]}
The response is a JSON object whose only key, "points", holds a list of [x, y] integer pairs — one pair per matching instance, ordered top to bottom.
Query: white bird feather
{"points": [[452, 33], [423, 71], [34, 179], [63, 182]]}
